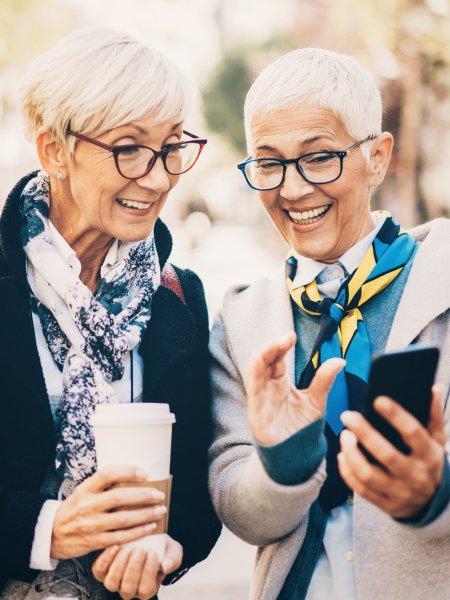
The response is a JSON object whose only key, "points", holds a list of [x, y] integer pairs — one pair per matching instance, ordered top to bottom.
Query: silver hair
{"points": [[96, 79], [323, 79]]}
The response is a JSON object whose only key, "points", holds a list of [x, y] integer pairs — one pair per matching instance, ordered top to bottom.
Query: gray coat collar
{"points": [[427, 291]]}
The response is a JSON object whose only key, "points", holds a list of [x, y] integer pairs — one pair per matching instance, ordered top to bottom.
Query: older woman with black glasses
{"points": [[92, 312], [285, 475]]}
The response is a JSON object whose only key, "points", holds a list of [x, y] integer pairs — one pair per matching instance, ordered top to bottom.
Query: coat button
{"points": [[350, 499], [39, 588]]}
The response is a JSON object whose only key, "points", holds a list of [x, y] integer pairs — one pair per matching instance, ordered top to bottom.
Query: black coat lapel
{"points": [[172, 334], [17, 339], [18, 349]]}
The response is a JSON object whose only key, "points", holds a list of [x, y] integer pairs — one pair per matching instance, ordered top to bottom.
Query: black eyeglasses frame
{"points": [[290, 161]]}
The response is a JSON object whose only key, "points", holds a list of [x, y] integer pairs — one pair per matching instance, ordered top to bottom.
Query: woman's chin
{"points": [[133, 233], [313, 246], [314, 252]]}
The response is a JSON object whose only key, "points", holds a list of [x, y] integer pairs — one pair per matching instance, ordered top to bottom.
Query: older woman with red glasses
{"points": [[92, 313]]}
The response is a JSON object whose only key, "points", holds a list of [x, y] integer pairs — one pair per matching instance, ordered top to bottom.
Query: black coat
{"points": [[176, 365]]}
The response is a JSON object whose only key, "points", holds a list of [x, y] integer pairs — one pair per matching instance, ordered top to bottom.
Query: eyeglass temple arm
{"points": [[195, 137], [371, 137], [85, 138]]}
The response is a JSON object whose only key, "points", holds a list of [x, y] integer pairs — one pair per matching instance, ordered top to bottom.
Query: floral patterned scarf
{"points": [[88, 334]]}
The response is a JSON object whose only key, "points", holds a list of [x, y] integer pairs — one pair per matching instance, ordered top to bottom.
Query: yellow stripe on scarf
{"points": [[362, 273], [371, 288], [313, 293], [347, 328], [315, 360]]}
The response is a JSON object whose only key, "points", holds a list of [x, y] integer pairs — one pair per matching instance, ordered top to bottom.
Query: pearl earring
{"points": [[60, 176]]}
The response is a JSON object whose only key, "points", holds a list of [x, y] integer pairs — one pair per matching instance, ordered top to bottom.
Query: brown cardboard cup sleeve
{"points": [[165, 486]]}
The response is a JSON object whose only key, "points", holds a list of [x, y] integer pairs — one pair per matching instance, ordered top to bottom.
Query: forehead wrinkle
{"points": [[299, 126], [142, 130], [300, 144]]}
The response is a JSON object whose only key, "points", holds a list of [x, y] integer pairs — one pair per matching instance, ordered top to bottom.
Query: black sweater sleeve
{"points": [[19, 512], [193, 522]]}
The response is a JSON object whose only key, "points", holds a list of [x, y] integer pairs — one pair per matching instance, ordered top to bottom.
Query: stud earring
{"points": [[60, 176]]}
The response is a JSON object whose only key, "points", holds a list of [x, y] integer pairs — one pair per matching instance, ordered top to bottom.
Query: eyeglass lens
{"points": [[134, 161], [319, 167]]}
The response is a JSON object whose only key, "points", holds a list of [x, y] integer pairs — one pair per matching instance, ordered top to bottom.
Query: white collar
{"points": [[70, 257], [308, 268]]}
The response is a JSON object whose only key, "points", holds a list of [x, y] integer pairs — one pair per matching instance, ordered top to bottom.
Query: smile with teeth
{"points": [[133, 203], [306, 217]]}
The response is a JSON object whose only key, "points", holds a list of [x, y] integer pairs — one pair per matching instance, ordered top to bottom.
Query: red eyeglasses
{"points": [[134, 161]]}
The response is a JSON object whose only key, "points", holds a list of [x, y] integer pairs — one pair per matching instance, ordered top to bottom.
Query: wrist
{"points": [[277, 435], [296, 459]]}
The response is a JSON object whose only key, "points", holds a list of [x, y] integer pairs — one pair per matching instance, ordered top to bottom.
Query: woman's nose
{"points": [[157, 180], [294, 186]]}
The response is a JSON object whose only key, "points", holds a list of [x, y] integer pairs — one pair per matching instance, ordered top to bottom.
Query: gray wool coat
{"points": [[392, 560]]}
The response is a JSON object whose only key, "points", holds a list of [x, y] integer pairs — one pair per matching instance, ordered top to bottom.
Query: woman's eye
{"points": [[174, 148], [128, 150], [318, 159], [266, 165]]}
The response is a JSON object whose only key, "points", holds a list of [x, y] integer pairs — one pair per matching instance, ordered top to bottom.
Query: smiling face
{"points": [[103, 201], [318, 221]]}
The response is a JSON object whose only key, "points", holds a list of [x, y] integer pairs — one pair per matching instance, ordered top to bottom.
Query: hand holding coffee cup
{"points": [[139, 434], [94, 517]]}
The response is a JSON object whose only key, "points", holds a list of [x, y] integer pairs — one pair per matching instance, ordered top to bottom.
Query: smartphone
{"points": [[406, 377]]}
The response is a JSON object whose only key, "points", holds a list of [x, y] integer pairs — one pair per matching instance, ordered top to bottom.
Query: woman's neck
{"points": [[91, 246], [91, 254]]}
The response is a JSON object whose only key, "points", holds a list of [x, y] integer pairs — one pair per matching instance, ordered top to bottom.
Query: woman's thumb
{"points": [[324, 378]]}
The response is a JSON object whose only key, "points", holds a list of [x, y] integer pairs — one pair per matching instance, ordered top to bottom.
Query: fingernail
{"points": [[438, 387], [383, 402], [344, 416], [349, 436], [140, 474], [158, 495], [160, 510], [150, 527], [167, 565]]}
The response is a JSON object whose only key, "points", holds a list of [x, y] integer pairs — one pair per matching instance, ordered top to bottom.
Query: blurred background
{"points": [[219, 228]]}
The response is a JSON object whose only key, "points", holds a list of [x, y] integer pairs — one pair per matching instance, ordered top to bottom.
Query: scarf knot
{"points": [[333, 309]]}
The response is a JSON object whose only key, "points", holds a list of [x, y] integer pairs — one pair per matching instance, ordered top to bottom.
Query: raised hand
{"points": [[276, 409]]}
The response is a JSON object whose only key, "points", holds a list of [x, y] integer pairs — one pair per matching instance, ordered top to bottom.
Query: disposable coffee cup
{"points": [[138, 434]]}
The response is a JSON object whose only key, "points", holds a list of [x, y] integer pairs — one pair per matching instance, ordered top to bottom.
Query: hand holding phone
{"points": [[406, 377], [403, 480]]}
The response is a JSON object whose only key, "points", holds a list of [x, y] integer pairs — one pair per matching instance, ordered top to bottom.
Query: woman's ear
{"points": [[51, 153], [380, 157]]}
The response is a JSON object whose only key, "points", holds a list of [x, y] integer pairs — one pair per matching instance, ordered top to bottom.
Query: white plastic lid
{"points": [[136, 413]]}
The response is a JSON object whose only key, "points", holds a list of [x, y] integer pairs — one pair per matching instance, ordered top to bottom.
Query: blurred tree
{"points": [[406, 44], [225, 91], [224, 95]]}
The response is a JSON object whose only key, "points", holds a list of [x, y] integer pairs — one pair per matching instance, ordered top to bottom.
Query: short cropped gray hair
{"points": [[320, 78], [96, 79]]}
